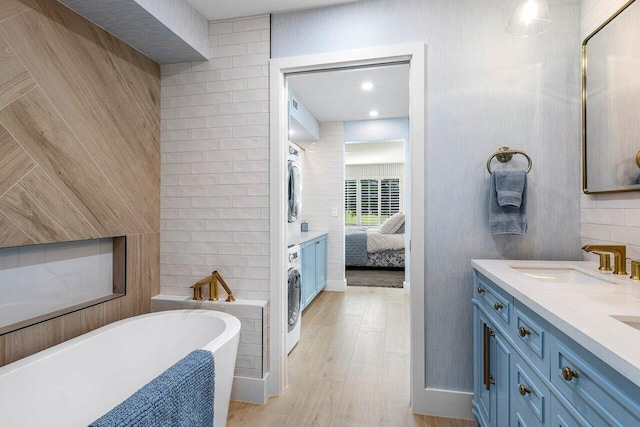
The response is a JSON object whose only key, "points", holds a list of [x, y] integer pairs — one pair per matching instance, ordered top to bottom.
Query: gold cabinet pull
{"points": [[481, 290], [497, 306], [523, 332], [569, 374], [487, 378], [523, 390]]}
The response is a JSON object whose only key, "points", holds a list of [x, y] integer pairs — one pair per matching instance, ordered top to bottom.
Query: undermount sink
{"points": [[560, 275], [634, 322]]}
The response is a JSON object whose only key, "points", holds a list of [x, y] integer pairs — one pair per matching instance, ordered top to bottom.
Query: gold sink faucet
{"points": [[619, 255]]}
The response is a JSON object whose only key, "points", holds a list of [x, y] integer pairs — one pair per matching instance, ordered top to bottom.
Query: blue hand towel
{"points": [[510, 186], [507, 219], [182, 396]]}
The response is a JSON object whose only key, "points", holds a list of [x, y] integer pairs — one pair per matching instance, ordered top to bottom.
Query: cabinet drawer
{"points": [[493, 300], [531, 336], [529, 392], [591, 392], [564, 415], [521, 419]]}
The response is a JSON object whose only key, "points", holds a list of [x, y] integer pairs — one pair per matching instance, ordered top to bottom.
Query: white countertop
{"points": [[305, 236], [582, 311]]}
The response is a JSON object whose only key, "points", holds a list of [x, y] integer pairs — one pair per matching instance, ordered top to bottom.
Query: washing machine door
{"points": [[294, 202], [295, 296]]}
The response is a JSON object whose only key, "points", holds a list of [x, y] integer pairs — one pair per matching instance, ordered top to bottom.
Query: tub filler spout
{"points": [[212, 281]]}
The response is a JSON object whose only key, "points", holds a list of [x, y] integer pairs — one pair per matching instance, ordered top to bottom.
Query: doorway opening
{"points": [[282, 70], [352, 129]]}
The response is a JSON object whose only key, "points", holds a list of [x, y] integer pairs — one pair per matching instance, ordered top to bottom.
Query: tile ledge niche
{"points": [[42, 282]]}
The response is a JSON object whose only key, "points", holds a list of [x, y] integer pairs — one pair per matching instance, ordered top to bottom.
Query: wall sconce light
{"points": [[530, 17]]}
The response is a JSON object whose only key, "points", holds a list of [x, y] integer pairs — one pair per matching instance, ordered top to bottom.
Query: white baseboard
{"points": [[336, 285], [407, 287], [251, 390], [444, 403]]}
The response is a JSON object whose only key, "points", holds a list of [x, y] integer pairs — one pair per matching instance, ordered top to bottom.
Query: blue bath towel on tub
{"points": [[181, 396]]}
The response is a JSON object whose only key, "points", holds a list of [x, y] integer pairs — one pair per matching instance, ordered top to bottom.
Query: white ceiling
{"points": [[225, 9], [338, 96]]}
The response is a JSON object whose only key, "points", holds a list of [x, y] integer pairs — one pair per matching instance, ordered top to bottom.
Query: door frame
{"points": [[416, 55]]}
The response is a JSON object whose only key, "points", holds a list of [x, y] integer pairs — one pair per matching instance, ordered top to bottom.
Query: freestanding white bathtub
{"points": [[78, 381]]}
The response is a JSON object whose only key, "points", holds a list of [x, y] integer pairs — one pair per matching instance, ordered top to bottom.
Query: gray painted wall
{"points": [[486, 90]]}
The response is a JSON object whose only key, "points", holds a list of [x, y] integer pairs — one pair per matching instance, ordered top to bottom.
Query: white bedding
{"points": [[377, 242]]}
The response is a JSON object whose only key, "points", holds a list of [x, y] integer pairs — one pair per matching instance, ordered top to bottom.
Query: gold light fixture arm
{"points": [[212, 281]]}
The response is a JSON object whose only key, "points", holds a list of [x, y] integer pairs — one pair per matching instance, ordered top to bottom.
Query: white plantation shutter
{"points": [[389, 198], [369, 201], [351, 202]]}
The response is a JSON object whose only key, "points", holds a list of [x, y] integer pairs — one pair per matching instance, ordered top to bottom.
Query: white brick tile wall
{"points": [[240, 37], [214, 184], [323, 189], [228, 190], [608, 218], [252, 355]]}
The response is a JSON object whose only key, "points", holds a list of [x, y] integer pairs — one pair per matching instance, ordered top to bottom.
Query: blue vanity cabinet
{"points": [[321, 263], [314, 268], [308, 273], [492, 366], [537, 375]]}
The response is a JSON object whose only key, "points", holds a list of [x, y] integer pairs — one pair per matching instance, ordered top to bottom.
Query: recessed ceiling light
{"points": [[367, 86], [373, 113], [291, 132]]}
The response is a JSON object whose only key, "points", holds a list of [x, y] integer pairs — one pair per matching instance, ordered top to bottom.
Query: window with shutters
{"points": [[389, 198], [370, 201], [351, 202]]}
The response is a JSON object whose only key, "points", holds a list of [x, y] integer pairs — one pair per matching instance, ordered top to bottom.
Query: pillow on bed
{"points": [[392, 224], [401, 229]]}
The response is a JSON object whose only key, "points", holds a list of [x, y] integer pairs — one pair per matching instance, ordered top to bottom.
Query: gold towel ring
{"points": [[505, 154]]}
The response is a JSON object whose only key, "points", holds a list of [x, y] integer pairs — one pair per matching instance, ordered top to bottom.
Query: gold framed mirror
{"points": [[611, 104]]}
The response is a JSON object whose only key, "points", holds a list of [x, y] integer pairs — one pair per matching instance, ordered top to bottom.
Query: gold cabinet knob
{"points": [[481, 290], [497, 306], [523, 332], [569, 374], [524, 390]]}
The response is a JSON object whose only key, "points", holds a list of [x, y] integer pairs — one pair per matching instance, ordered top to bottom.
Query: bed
{"points": [[367, 247]]}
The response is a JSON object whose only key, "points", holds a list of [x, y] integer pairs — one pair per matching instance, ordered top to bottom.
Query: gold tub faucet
{"points": [[619, 255], [212, 281]]}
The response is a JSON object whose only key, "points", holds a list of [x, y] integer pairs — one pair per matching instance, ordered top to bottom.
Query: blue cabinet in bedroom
{"points": [[314, 268]]}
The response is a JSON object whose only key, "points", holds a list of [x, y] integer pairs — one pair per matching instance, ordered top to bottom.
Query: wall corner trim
{"points": [[336, 285], [251, 390], [443, 403]]}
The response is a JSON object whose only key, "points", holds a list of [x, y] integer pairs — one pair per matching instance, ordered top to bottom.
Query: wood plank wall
{"points": [[80, 145]]}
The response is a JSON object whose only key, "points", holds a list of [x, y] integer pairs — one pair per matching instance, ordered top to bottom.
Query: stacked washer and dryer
{"points": [[294, 209]]}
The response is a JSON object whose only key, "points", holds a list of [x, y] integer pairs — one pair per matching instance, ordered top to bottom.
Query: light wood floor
{"points": [[350, 368]]}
